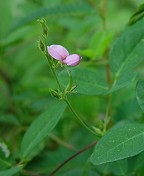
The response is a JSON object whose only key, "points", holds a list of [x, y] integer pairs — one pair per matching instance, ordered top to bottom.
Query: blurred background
{"points": [[25, 77]]}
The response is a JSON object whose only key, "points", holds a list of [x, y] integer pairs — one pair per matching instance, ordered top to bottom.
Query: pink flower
{"points": [[60, 53], [72, 60]]}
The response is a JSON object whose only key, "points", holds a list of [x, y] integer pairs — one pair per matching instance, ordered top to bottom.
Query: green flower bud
{"points": [[44, 26], [41, 45], [55, 93]]}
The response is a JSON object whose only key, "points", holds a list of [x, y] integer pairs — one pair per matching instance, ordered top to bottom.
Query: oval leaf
{"points": [[127, 51], [140, 93], [40, 128], [122, 141]]}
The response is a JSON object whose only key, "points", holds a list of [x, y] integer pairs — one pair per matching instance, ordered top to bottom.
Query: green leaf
{"points": [[6, 16], [15, 36], [100, 42], [128, 51], [87, 53], [123, 81], [89, 82], [140, 93], [40, 128], [122, 141], [11, 171]]}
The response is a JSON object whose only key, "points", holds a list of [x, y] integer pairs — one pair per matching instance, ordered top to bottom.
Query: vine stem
{"points": [[53, 71], [66, 99], [76, 115], [72, 157]]}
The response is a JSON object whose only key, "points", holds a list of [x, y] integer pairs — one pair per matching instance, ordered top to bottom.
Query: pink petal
{"points": [[58, 52], [72, 60]]}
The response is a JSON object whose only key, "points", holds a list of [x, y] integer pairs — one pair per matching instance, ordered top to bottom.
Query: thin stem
{"points": [[101, 10], [50, 65], [108, 72], [54, 73], [108, 76], [66, 100], [77, 116], [72, 157]]}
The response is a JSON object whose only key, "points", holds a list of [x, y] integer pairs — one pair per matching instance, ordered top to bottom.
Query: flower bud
{"points": [[44, 26], [41, 45], [54, 93]]}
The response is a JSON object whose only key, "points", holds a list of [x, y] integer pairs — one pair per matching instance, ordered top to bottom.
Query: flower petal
{"points": [[58, 52], [72, 60]]}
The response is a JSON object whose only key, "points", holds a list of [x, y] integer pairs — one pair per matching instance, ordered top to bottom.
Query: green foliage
{"points": [[56, 11], [137, 15], [128, 50], [102, 90], [140, 93], [40, 128], [122, 141]]}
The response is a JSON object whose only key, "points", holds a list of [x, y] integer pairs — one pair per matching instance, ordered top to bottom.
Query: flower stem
{"points": [[54, 73], [62, 91], [66, 99], [77, 116]]}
